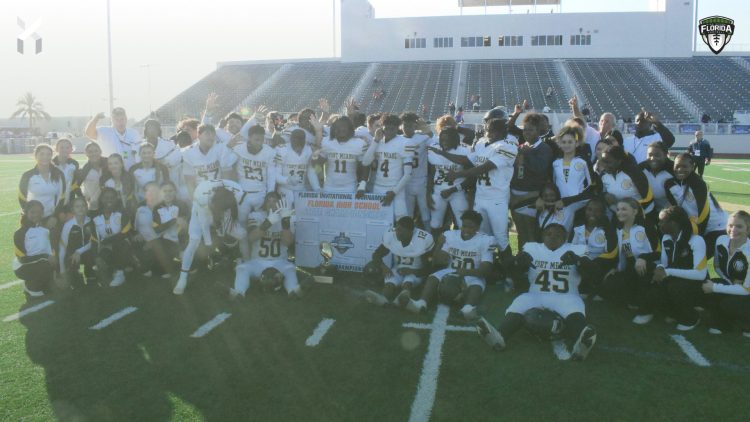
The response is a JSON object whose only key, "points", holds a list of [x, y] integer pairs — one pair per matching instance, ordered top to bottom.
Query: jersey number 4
{"points": [[559, 281]]}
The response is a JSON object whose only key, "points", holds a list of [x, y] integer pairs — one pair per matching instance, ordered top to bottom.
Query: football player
{"points": [[418, 137], [342, 155], [392, 159], [205, 160], [253, 167], [293, 170], [444, 193], [270, 235], [409, 249], [466, 256], [553, 285]]}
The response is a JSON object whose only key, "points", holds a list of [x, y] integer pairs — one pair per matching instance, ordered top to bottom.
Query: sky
{"points": [[174, 43]]}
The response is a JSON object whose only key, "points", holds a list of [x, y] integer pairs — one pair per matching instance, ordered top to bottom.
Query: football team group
{"points": [[598, 215]]}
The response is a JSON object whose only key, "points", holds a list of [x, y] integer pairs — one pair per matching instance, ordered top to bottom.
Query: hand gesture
{"points": [[212, 101], [573, 102], [525, 104], [323, 105], [351, 106], [517, 109], [260, 113], [99, 115], [649, 116], [316, 124], [379, 134], [388, 198], [284, 209], [274, 216], [569, 258], [640, 266], [659, 274]]}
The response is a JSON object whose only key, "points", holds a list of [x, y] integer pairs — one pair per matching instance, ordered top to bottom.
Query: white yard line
{"points": [[726, 180], [6, 214], [10, 284], [29, 310], [112, 318], [210, 325], [323, 326], [423, 326], [692, 353], [421, 408]]}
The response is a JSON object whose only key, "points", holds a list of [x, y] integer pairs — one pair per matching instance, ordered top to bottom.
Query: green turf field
{"points": [[267, 360]]}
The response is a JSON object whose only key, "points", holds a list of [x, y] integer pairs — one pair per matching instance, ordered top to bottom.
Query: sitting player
{"points": [[270, 238], [409, 247], [466, 255], [34, 258], [553, 278]]}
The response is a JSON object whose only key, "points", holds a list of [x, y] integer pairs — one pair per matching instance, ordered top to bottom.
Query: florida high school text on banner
{"points": [[354, 227]]}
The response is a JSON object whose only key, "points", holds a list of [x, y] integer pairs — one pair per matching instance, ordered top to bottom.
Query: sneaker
{"points": [[148, 273], [166, 276], [118, 278], [181, 284], [32, 293], [375, 298], [402, 299], [416, 306], [470, 313], [643, 319], [669, 320], [685, 327], [715, 331], [490, 335], [584, 344], [560, 349]]}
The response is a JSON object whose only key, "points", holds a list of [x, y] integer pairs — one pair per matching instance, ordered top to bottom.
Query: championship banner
{"points": [[354, 227]]}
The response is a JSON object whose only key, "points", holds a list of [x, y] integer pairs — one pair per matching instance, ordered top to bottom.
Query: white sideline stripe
{"points": [[726, 180], [5, 214], [10, 284], [27, 311], [112, 318], [210, 325], [323, 326], [423, 326], [692, 353], [421, 408]]}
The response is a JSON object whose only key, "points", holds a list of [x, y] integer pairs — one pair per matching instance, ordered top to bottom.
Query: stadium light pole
{"points": [[109, 55]]}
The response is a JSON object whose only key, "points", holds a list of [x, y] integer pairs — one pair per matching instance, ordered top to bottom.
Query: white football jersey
{"points": [[418, 144], [342, 159], [390, 159], [205, 166], [292, 166], [443, 166], [254, 171], [571, 178], [496, 182], [631, 244], [268, 247], [468, 254], [409, 256], [548, 274]]}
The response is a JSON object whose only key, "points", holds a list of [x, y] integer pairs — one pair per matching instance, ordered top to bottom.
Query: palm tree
{"points": [[29, 107]]}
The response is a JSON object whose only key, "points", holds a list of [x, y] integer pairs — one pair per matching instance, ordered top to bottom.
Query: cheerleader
{"points": [[165, 152], [67, 165], [658, 169], [147, 170], [570, 172], [115, 177], [623, 179], [87, 180], [44, 183], [689, 191], [215, 206], [111, 238], [600, 239], [75, 245], [154, 255], [34, 261], [680, 271], [632, 274], [729, 294]]}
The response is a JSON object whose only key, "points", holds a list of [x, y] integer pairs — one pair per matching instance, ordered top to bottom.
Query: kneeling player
{"points": [[270, 238], [408, 246], [467, 256], [554, 279]]}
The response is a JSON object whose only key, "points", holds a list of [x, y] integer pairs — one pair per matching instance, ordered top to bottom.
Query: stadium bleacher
{"points": [[697, 77], [509, 82], [230, 83], [305, 83], [408, 86], [623, 86]]}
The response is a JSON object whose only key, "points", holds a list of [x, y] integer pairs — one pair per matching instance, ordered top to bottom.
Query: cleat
{"points": [[118, 278], [181, 284], [32, 293], [375, 298], [402, 299], [416, 306], [470, 313], [643, 319], [685, 327], [714, 331], [490, 335], [584, 344], [561, 350]]}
